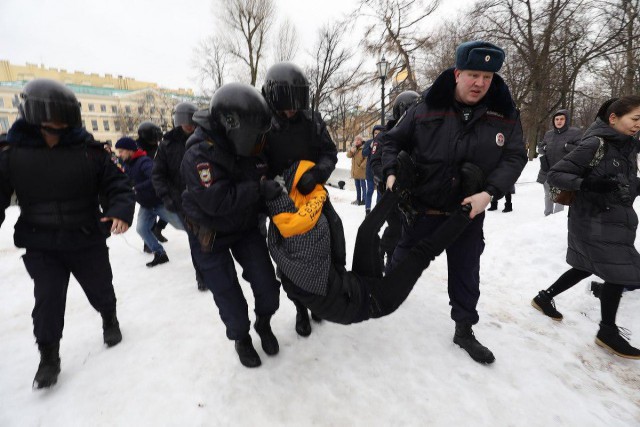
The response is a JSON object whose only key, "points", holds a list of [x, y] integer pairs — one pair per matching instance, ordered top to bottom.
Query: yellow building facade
{"points": [[111, 107]]}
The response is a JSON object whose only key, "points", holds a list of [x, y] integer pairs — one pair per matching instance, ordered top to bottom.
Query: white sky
{"points": [[147, 40]]}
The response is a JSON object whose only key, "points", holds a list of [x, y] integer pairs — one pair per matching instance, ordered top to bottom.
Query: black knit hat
{"points": [[480, 56], [126, 144]]}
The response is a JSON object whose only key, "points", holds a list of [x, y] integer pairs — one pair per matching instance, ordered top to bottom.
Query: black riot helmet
{"points": [[286, 87], [45, 100], [402, 102], [242, 113], [183, 114], [148, 131]]}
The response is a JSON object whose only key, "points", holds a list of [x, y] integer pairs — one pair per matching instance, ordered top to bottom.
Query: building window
{"points": [[15, 101], [1, 102], [92, 107], [103, 108], [114, 109], [127, 109], [140, 110], [152, 110], [4, 124], [105, 124], [94, 125], [116, 125]]}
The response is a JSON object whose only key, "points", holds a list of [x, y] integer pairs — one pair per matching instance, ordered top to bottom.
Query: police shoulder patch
{"points": [[204, 172]]}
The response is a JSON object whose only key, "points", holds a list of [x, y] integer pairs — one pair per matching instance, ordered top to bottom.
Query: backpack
{"points": [[566, 197]]}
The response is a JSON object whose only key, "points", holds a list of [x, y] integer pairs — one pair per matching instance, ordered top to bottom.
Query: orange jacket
{"points": [[309, 207]]}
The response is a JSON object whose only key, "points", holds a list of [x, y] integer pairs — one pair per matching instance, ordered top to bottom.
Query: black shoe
{"points": [[356, 202], [493, 207], [508, 207], [367, 212], [158, 233], [146, 249], [158, 258], [201, 286], [596, 289], [545, 304], [303, 326], [111, 329], [465, 338], [614, 339], [269, 341], [247, 354], [49, 367]]}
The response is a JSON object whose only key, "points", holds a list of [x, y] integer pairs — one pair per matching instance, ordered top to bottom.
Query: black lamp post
{"points": [[383, 70]]}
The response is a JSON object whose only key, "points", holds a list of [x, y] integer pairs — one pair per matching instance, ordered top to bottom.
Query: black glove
{"points": [[307, 182], [599, 184], [270, 189], [169, 204]]}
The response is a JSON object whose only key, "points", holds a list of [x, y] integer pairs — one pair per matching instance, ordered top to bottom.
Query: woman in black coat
{"points": [[602, 222]]}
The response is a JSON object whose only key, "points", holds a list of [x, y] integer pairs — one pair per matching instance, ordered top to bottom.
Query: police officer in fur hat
{"points": [[466, 117]]}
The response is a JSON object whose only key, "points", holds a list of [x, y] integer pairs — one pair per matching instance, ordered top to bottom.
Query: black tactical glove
{"points": [[307, 182], [599, 184], [270, 189], [169, 204]]}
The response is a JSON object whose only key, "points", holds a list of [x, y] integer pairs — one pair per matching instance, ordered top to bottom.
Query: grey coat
{"points": [[557, 143], [602, 228]]}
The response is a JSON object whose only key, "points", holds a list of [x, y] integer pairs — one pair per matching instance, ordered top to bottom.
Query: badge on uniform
{"points": [[499, 139], [374, 147], [204, 171]]}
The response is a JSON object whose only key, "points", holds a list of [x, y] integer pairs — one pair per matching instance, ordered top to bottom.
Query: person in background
{"points": [[559, 141], [366, 153], [358, 169], [71, 197], [602, 222]]}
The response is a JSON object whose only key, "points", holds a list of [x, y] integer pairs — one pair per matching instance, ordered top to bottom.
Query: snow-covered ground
{"points": [[176, 367]]}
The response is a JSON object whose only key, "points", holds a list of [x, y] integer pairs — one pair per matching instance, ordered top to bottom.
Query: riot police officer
{"points": [[297, 133], [223, 171], [71, 197]]}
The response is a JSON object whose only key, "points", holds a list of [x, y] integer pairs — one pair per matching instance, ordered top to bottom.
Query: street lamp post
{"points": [[383, 70]]}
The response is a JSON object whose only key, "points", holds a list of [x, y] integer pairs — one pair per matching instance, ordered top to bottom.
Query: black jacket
{"points": [[434, 133], [301, 138], [556, 144], [148, 147], [139, 170], [166, 176], [60, 189], [222, 189], [602, 227]]}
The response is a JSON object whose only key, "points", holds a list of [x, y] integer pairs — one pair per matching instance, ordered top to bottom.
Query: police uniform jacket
{"points": [[302, 137], [439, 140], [166, 176], [60, 189], [222, 189], [602, 226]]}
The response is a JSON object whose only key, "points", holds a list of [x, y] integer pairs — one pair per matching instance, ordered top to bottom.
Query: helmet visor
{"points": [[286, 97], [37, 111]]}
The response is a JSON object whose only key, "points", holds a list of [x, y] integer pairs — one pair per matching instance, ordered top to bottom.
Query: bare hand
{"points": [[391, 179], [478, 202], [118, 226]]}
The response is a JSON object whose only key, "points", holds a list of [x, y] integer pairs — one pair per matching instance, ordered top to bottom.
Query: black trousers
{"points": [[51, 270], [390, 291]]}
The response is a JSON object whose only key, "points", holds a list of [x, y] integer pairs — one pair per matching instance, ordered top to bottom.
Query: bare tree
{"points": [[248, 23], [396, 30], [286, 44], [210, 61]]}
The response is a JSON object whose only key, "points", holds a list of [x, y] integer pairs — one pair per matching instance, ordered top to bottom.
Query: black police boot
{"points": [[494, 206], [508, 207], [158, 233], [147, 249], [158, 258], [201, 286], [596, 288], [545, 304], [303, 326], [111, 329], [465, 338], [614, 339], [269, 341], [247, 354], [49, 366]]}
